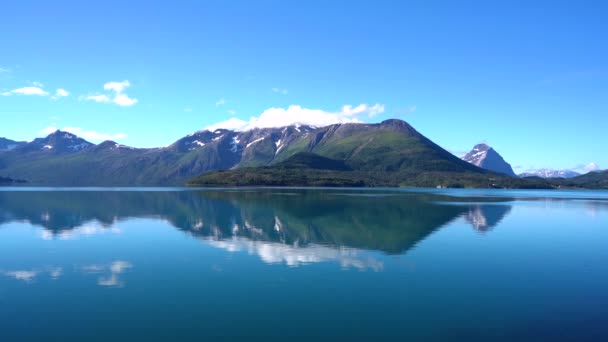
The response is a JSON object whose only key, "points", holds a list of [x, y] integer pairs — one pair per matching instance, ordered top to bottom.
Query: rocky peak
{"points": [[487, 158]]}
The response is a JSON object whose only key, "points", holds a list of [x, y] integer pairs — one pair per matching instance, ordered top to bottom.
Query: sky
{"points": [[527, 77]]}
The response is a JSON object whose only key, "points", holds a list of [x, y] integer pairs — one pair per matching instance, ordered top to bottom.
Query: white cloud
{"points": [[3, 70], [37, 84], [117, 87], [26, 91], [279, 91], [61, 92], [98, 98], [118, 98], [124, 101], [220, 102], [372, 111], [232, 112], [295, 114], [232, 123], [48, 130], [87, 135], [591, 167], [585, 168]]}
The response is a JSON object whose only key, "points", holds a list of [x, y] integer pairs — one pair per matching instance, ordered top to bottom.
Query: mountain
{"points": [[56, 143], [8, 145], [391, 146], [391, 153], [487, 158], [548, 173], [591, 180]]}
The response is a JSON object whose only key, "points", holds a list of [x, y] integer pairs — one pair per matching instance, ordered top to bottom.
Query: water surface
{"points": [[275, 264]]}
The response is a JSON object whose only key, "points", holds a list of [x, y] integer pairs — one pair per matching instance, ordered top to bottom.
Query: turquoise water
{"points": [[305, 264]]}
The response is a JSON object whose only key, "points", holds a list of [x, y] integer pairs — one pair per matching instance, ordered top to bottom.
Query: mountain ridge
{"points": [[63, 158], [549, 173]]}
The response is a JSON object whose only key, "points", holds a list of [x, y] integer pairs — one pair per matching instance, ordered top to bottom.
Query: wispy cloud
{"points": [[3, 70], [36, 89], [33, 90], [279, 91], [116, 95], [102, 98], [220, 102], [405, 111], [295, 114], [232, 123], [93, 136]]}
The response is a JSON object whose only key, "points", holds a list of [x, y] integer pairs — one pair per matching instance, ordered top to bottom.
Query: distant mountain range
{"points": [[390, 153], [487, 158], [548, 173]]}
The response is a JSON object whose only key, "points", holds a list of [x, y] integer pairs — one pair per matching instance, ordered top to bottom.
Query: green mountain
{"points": [[390, 153], [591, 180]]}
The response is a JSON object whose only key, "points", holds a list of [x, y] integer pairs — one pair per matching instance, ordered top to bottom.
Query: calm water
{"points": [[279, 264]]}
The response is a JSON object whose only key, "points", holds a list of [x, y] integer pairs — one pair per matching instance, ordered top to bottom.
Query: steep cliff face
{"points": [[487, 158]]}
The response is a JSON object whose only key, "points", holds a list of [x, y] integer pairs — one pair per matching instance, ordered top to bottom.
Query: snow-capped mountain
{"points": [[57, 143], [8, 145], [368, 147], [487, 158], [548, 173]]}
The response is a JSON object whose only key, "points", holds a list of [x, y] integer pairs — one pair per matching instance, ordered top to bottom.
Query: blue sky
{"points": [[529, 78]]}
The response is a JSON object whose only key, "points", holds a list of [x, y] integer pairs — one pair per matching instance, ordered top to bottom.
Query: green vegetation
{"points": [[309, 169], [591, 180]]}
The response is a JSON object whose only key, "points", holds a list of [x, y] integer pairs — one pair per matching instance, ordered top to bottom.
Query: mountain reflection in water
{"points": [[290, 226]]}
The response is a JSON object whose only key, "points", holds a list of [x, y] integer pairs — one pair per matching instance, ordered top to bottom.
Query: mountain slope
{"points": [[8, 145], [392, 145], [486, 157], [591, 180]]}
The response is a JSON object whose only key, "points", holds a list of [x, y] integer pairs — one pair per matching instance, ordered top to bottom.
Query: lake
{"points": [[304, 264]]}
